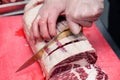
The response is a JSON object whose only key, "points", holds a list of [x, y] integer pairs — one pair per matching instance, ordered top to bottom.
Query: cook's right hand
{"points": [[82, 12]]}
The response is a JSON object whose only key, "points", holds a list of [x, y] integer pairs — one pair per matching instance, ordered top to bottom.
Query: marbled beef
{"points": [[69, 57]]}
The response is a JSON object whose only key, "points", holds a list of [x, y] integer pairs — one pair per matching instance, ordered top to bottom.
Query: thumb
{"points": [[74, 27]]}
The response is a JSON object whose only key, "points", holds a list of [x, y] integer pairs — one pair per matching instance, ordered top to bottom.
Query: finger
{"points": [[32, 3], [91, 17], [52, 23], [43, 27], [74, 27], [35, 29]]}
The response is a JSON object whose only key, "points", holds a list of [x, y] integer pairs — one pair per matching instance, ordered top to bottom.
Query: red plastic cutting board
{"points": [[14, 51]]}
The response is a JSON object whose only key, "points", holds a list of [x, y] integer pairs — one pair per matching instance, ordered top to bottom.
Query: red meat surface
{"points": [[14, 51]]}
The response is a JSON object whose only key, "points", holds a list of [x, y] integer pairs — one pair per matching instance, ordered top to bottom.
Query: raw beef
{"points": [[64, 53], [69, 54], [88, 72]]}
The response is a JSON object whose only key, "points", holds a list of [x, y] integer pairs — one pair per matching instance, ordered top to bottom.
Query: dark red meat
{"points": [[81, 73]]}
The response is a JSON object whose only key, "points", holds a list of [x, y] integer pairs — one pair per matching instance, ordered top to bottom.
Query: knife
{"points": [[39, 54]]}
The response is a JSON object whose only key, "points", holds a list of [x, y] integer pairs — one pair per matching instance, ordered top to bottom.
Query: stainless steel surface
{"points": [[12, 8], [12, 13]]}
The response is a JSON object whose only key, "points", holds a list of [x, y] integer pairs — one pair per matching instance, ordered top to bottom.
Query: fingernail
{"points": [[47, 39]]}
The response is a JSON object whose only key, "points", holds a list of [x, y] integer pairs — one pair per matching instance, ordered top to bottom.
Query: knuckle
{"points": [[98, 11], [68, 15], [73, 15], [83, 15], [41, 21], [50, 21]]}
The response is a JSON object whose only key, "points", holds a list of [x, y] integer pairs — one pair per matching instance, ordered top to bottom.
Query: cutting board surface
{"points": [[14, 51]]}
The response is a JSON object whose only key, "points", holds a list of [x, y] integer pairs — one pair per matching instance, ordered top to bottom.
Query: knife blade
{"points": [[39, 54]]}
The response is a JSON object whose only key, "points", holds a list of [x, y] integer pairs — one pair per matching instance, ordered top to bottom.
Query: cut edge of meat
{"points": [[82, 58], [88, 72]]}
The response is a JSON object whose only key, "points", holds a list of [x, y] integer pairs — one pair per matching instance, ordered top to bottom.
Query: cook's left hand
{"points": [[44, 25]]}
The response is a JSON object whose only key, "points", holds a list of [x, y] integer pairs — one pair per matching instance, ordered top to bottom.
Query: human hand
{"points": [[77, 12], [82, 12], [44, 25]]}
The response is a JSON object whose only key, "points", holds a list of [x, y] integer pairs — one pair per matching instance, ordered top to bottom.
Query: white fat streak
{"points": [[68, 39], [54, 45], [83, 45], [79, 47], [72, 49], [52, 60], [81, 62], [76, 73], [92, 73]]}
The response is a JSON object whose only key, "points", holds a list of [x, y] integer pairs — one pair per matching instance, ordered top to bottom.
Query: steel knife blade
{"points": [[39, 54]]}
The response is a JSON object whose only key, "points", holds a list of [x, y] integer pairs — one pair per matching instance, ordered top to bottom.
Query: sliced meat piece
{"points": [[88, 72]]}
